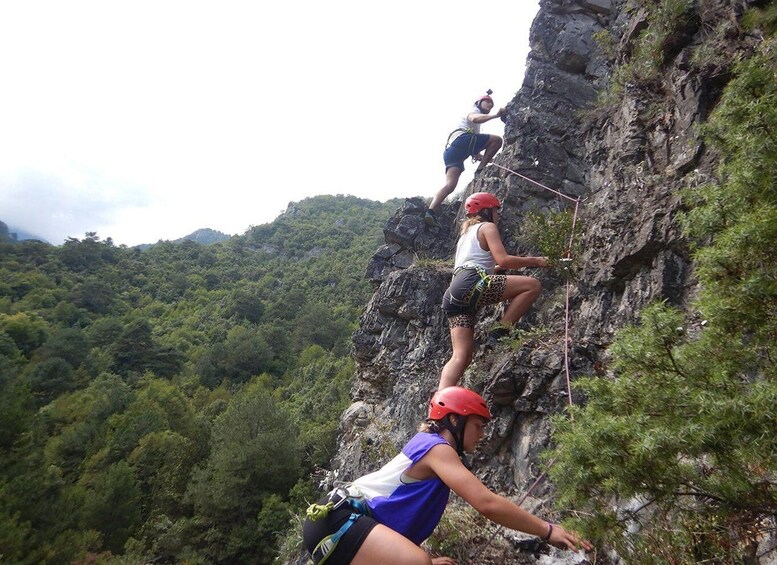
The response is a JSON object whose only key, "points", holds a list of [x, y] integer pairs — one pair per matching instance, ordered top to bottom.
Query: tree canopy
{"points": [[166, 403]]}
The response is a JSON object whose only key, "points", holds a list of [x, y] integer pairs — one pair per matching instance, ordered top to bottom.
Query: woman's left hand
{"points": [[563, 539]]}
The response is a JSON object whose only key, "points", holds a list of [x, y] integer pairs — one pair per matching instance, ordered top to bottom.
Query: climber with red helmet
{"points": [[466, 141], [479, 253], [384, 516]]}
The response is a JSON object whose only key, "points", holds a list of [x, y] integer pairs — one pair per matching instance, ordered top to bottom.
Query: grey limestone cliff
{"points": [[625, 157]]}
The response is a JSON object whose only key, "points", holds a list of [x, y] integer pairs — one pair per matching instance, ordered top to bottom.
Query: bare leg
{"points": [[493, 145], [451, 180], [522, 291], [463, 342], [383, 545]]}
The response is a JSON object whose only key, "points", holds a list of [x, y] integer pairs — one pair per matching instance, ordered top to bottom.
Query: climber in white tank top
{"points": [[463, 142], [479, 252]]}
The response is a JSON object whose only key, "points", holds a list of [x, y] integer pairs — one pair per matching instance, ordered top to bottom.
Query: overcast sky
{"points": [[147, 120]]}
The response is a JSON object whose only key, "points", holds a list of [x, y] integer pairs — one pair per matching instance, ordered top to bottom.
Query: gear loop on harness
{"points": [[338, 497]]}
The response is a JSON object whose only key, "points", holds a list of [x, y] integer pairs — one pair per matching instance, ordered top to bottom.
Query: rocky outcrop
{"points": [[626, 158]]}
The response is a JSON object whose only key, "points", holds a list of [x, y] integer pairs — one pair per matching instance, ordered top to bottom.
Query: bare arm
{"points": [[478, 118], [492, 241], [444, 462]]}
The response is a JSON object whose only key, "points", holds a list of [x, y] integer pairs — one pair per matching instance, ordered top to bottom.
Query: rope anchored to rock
{"points": [[567, 340]]}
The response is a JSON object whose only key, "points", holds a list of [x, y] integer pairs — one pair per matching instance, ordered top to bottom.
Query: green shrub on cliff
{"points": [[682, 437]]}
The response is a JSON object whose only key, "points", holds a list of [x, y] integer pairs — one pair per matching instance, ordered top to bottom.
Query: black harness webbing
{"points": [[473, 296]]}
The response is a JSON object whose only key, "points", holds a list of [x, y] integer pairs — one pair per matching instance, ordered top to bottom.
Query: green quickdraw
{"points": [[318, 511]]}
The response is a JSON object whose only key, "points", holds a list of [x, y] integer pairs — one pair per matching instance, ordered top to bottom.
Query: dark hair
{"points": [[487, 214], [430, 427]]}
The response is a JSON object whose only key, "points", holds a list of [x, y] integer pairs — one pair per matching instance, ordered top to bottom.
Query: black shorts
{"points": [[467, 292], [314, 531]]}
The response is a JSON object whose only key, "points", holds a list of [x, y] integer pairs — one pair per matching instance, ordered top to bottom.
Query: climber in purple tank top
{"points": [[384, 516]]}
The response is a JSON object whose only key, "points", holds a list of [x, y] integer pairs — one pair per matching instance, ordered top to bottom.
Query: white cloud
{"points": [[149, 120]]}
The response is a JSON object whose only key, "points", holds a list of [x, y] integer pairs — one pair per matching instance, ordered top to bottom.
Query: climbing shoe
{"points": [[431, 219], [494, 336]]}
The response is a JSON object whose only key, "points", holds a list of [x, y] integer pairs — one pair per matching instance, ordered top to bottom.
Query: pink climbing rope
{"points": [[561, 194], [568, 258], [566, 309], [566, 329]]}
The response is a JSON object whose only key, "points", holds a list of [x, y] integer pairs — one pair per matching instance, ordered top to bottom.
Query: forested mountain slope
{"points": [[170, 404]]}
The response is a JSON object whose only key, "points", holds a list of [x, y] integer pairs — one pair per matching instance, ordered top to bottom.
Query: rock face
{"points": [[626, 159]]}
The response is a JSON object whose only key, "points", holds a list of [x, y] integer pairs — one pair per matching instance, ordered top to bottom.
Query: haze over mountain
{"points": [[17, 234], [205, 236]]}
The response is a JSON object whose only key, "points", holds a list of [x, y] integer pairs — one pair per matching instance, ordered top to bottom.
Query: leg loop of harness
{"points": [[471, 148], [327, 545]]}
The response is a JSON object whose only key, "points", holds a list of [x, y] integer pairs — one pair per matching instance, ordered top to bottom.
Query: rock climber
{"points": [[465, 141], [479, 252], [384, 516]]}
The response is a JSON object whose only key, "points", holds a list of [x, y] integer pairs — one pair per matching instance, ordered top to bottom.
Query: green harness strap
{"points": [[463, 130], [473, 296]]}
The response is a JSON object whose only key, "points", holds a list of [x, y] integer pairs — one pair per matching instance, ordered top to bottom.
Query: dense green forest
{"points": [[167, 404]]}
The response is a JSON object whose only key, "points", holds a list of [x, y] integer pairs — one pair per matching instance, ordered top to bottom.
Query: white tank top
{"points": [[470, 254]]}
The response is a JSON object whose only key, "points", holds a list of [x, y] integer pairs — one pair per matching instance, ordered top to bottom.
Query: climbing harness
{"points": [[472, 141], [472, 297], [337, 498]]}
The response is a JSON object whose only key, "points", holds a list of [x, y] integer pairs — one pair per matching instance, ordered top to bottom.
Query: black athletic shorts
{"points": [[314, 531]]}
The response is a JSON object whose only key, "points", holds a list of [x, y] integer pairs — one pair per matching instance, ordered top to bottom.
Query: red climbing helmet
{"points": [[484, 97], [481, 201], [457, 400]]}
